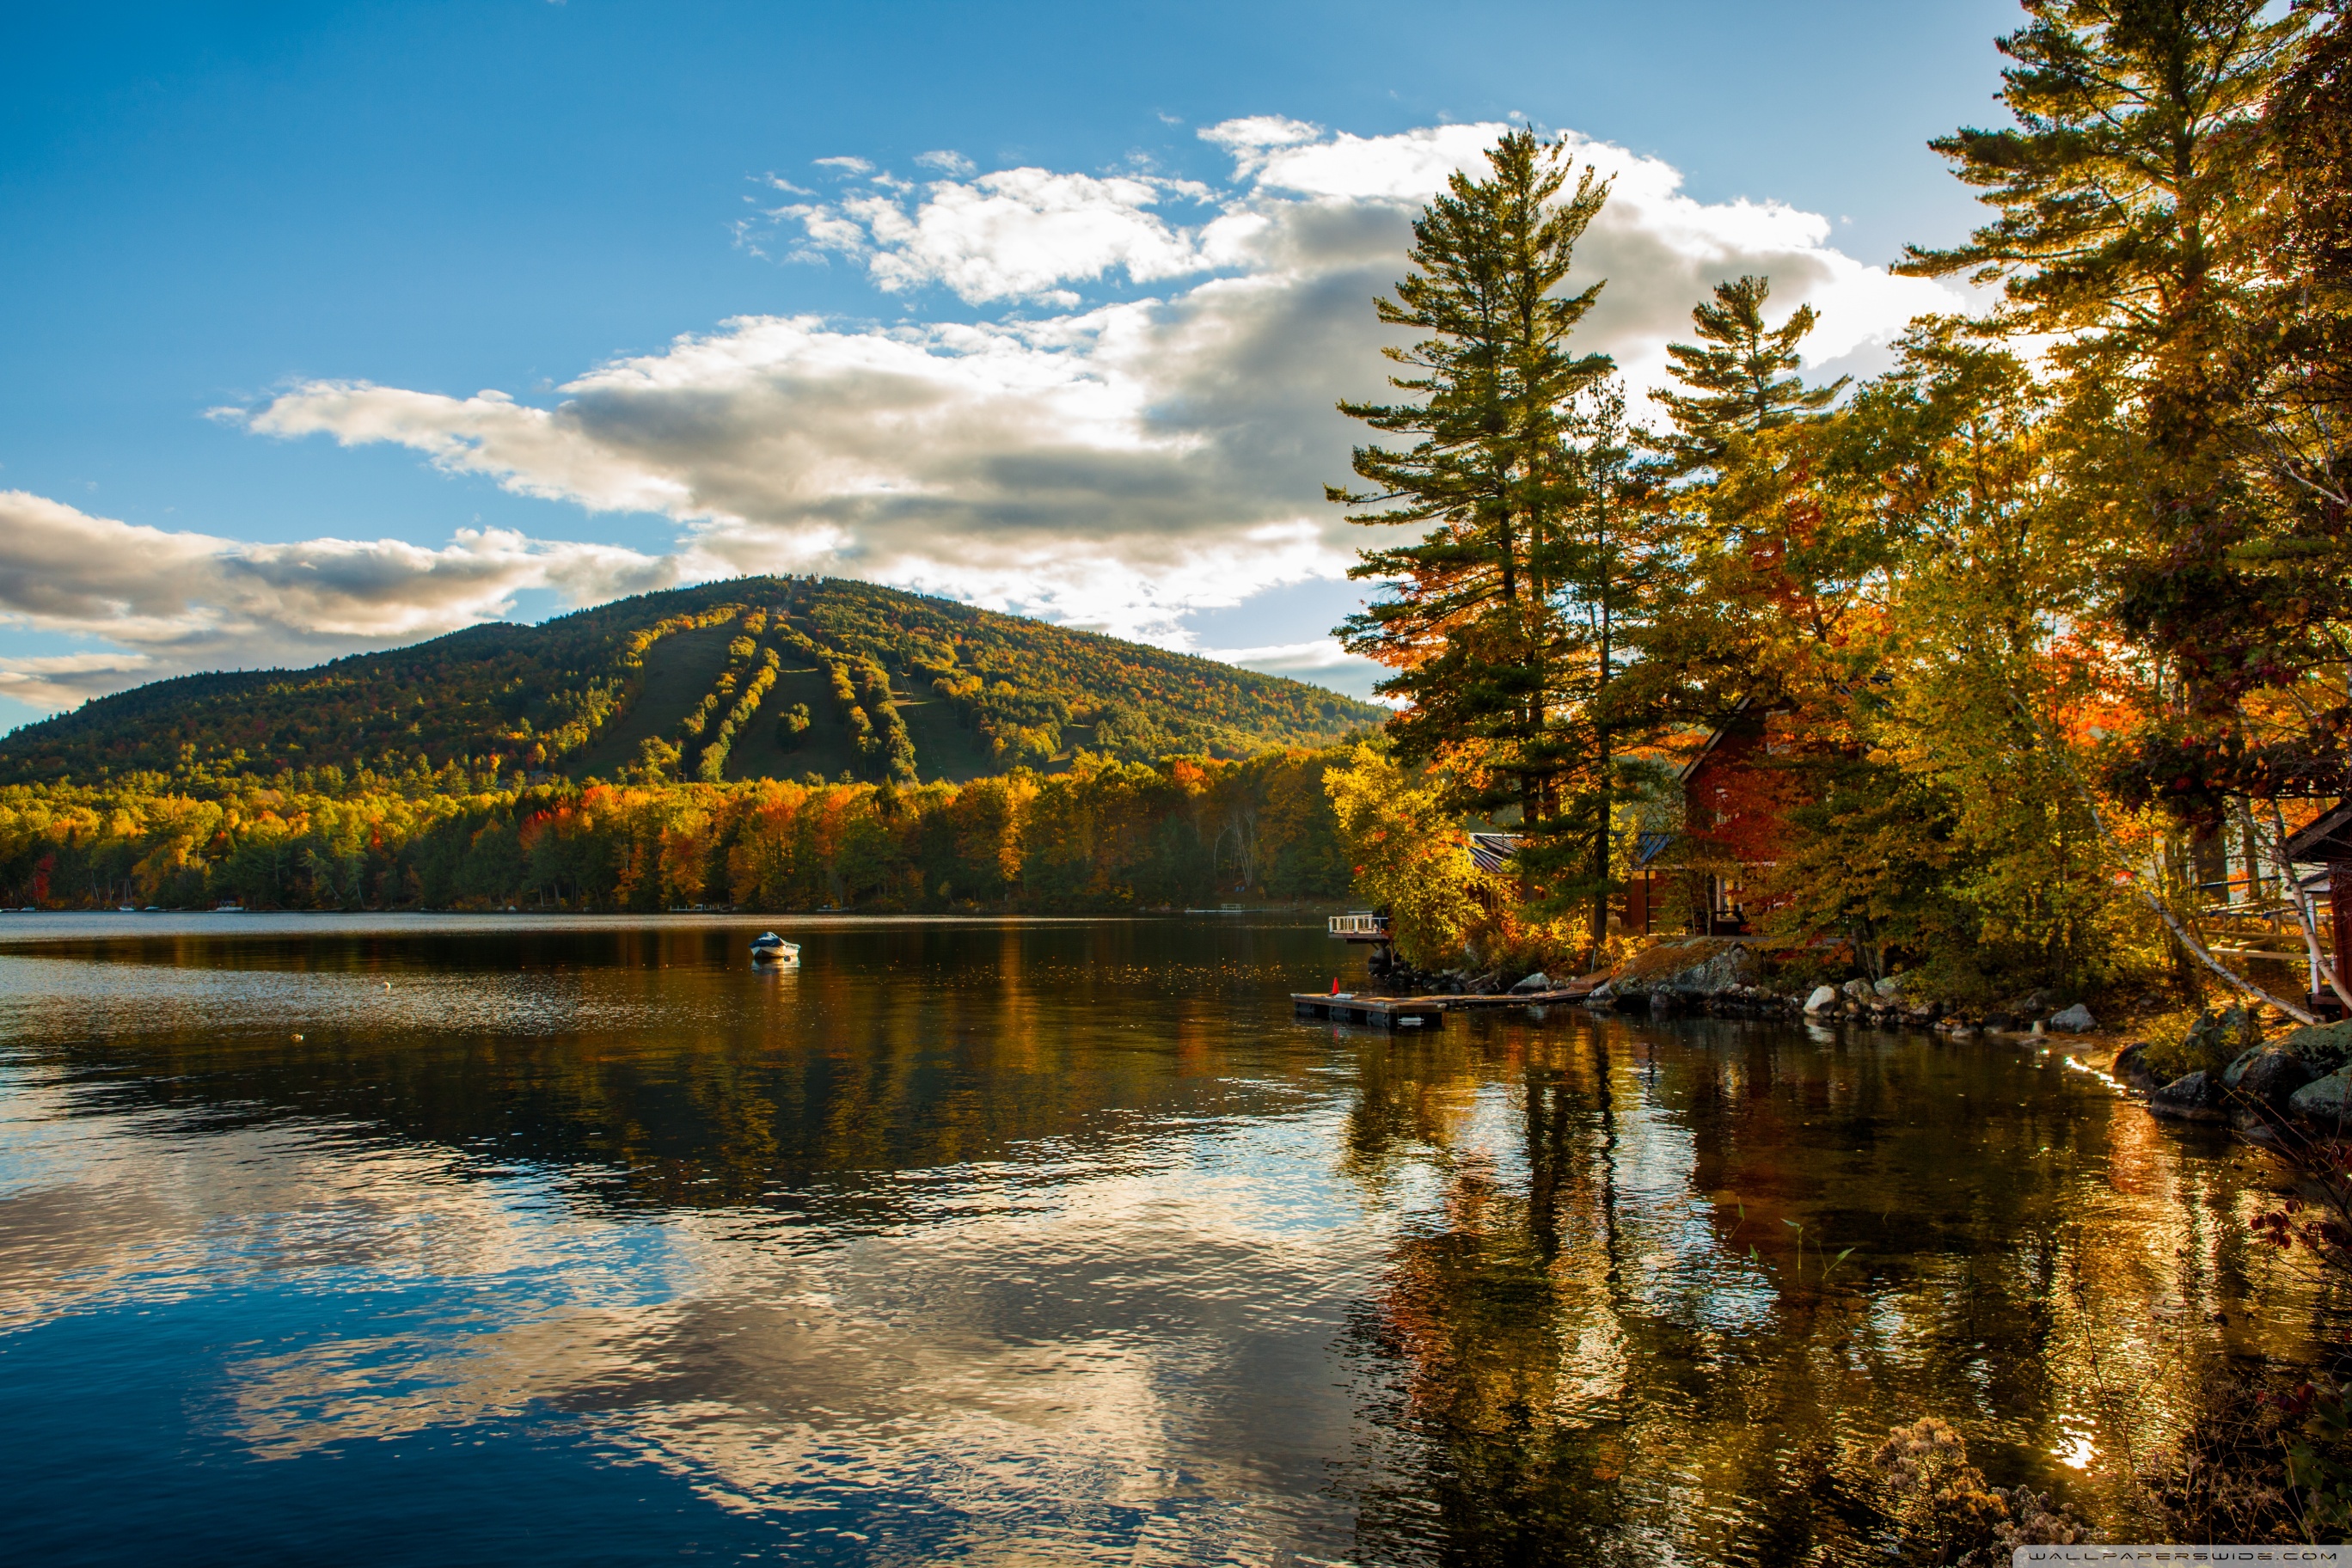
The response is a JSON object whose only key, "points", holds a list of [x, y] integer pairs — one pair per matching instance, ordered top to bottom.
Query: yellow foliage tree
{"points": [[1410, 856]]}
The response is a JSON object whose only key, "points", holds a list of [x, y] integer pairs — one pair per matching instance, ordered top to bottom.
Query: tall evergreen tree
{"points": [[2137, 129], [2138, 201], [1741, 375], [1491, 480], [1768, 562], [1607, 572], [2244, 591]]}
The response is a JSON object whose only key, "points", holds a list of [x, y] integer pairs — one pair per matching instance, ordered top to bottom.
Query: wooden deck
{"points": [[1408, 1011], [1379, 1012]]}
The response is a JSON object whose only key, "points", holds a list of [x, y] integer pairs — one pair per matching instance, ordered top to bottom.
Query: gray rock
{"points": [[1716, 975], [1538, 981], [1891, 986], [1858, 989], [1824, 998], [2075, 1020], [2324, 1046], [2131, 1066], [2269, 1075], [2190, 1098], [2324, 1100]]}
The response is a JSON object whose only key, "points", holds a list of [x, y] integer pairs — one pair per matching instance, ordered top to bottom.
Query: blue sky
{"points": [[1057, 348]]}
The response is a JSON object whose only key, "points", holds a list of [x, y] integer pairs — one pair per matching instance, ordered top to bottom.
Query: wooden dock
{"points": [[1379, 1012], [1410, 1012]]}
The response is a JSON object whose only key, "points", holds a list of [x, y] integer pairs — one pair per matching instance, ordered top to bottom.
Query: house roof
{"points": [[1713, 739], [2326, 839], [1492, 852]]}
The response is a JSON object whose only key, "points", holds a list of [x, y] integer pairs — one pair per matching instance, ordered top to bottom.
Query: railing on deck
{"points": [[1361, 928]]}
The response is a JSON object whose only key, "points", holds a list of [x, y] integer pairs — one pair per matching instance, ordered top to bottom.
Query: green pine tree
{"points": [[2139, 127], [1741, 375], [1490, 482]]}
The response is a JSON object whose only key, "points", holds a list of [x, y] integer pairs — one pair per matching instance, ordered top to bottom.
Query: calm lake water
{"points": [[501, 1240]]}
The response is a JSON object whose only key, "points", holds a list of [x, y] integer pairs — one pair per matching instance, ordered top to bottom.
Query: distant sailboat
{"points": [[770, 948]]}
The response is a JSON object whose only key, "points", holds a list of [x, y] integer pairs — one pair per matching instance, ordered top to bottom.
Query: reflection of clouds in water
{"points": [[154, 1220], [1113, 1335], [1052, 1356]]}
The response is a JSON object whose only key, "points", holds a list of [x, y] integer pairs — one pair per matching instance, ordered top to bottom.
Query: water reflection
{"points": [[1034, 1243], [1673, 1283]]}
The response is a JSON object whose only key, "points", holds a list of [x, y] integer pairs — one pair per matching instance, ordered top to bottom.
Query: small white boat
{"points": [[770, 948]]}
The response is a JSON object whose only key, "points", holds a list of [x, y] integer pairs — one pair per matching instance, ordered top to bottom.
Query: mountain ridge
{"points": [[747, 677]]}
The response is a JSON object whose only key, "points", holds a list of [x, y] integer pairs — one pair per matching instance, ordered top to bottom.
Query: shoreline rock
{"points": [[2192, 1097]]}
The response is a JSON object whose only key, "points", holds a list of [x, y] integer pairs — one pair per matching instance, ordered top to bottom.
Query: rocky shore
{"points": [[1724, 978], [2303, 1078]]}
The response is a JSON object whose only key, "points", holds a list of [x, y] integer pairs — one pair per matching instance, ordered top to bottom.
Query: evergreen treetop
{"points": [[2138, 123], [1742, 375]]}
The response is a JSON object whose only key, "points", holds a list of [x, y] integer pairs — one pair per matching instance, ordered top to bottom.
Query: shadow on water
{"points": [[1039, 1242]]}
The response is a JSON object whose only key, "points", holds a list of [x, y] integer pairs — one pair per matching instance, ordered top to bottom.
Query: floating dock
{"points": [[1412, 1011], [1379, 1012]]}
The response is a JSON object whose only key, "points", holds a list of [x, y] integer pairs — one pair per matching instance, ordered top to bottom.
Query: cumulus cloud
{"points": [[1016, 233], [1138, 427], [1119, 464], [174, 602]]}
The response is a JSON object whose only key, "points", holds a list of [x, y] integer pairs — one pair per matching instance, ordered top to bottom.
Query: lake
{"points": [[443, 1239]]}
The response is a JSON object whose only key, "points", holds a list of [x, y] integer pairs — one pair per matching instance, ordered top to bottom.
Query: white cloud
{"points": [[1017, 234], [1117, 463], [174, 602], [1320, 660]]}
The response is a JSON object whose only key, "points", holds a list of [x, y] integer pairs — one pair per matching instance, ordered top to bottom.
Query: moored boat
{"points": [[770, 948]]}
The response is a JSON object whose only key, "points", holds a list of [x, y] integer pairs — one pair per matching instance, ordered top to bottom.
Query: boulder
{"points": [[1725, 970], [1538, 981], [1890, 988], [1859, 990], [1824, 998], [2075, 1020], [2323, 1047], [2131, 1066], [2267, 1074], [2193, 1097], [2325, 1099]]}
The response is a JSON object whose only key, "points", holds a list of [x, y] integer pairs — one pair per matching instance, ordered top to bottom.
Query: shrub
{"points": [[2207, 1045], [1943, 1510]]}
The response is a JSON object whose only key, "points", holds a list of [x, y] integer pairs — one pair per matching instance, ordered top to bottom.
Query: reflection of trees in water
{"points": [[688, 1079], [1601, 1336]]}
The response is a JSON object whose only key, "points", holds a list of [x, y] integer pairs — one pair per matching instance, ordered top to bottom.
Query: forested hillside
{"points": [[756, 677]]}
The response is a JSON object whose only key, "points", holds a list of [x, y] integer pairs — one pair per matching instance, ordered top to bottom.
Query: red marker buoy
{"points": [[1335, 986]]}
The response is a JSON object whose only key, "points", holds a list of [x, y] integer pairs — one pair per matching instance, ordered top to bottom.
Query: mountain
{"points": [[759, 677]]}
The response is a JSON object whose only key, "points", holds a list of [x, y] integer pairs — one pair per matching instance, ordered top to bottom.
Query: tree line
{"points": [[2039, 626], [1103, 835]]}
